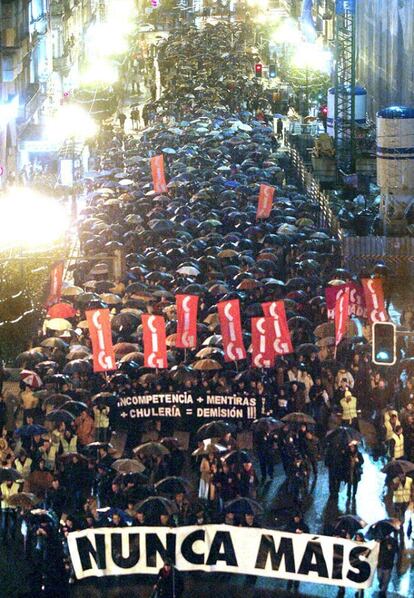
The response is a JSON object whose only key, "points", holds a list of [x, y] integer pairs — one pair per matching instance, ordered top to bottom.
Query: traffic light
{"points": [[258, 69], [272, 71], [384, 345]]}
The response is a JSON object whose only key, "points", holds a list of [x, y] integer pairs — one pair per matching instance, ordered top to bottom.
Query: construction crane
{"points": [[344, 120]]}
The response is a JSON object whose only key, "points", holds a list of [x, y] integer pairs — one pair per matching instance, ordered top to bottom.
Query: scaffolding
{"points": [[345, 85]]}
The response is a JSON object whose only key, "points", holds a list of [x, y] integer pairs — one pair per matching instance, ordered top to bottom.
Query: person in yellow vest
{"points": [[349, 410], [101, 415], [391, 421], [69, 442], [396, 444], [48, 452], [23, 464], [402, 495], [8, 512]]}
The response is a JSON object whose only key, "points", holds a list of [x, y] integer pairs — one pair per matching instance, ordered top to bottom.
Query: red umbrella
{"points": [[61, 310], [31, 378]]}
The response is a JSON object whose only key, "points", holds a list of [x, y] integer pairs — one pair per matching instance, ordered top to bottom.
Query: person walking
{"points": [[349, 410], [354, 462], [402, 496], [386, 559], [169, 583]]}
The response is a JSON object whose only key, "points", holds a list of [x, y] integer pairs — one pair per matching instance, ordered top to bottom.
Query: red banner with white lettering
{"points": [[158, 174], [265, 201], [56, 279], [356, 299], [374, 300], [341, 315], [186, 321], [231, 330], [101, 337], [282, 342], [155, 346], [263, 351]]}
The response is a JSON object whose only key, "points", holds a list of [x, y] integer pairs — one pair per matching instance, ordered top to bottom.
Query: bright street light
{"points": [[312, 57], [71, 122], [30, 220]]}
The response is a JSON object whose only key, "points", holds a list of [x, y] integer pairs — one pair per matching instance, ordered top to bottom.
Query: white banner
{"points": [[225, 549]]}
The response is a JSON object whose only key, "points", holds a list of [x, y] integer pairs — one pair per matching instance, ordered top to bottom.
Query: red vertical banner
{"points": [[158, 174], [265, 201], [56, 280], [374, 300], [341, 315], [186, 321], [231, 330], [101, 336], [282, 342], [155, 346], [263, 351]]}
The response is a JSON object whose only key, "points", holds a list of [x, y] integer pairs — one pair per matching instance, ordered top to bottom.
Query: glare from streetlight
{"points": [[313, 57], [71, 122], [30, 220]]}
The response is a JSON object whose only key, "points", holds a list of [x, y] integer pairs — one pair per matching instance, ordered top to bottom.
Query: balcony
{"points": [[62, 64], [30, 102]]}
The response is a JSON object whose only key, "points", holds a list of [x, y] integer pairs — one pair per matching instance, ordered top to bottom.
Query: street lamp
{"points": [[311, 58], [30, 220]]}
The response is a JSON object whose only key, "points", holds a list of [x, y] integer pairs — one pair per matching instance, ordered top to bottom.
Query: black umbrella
{"points": [[75, 408], [59, 416], [298, 418], [266, 424], [215, 429], [31, 430], [343, 436], [237, 457], [398, 468], [8, 474], [173, 485], [156, 506], [243, 506], [349, 523], [380, 530]]}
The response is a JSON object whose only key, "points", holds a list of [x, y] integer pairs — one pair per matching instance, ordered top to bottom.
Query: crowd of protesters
{"points": [[65, 463]]}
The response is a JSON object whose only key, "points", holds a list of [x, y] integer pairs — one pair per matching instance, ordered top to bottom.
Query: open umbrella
{"points": [[61, 310], [58, 324], [54, 342], [306, 349], [205, 365], [31, 378], [56, 400], [75, 408], [60, 415], [298, 418], [266, 424], [215, 429], [31, 430], [343, 436], [171, 443], [208, 447], [151, 449], [68, 457], [237, 457], [126, 466], [398, 468], [8, 474], [173, 485], [24, 500], [156, 506], [243, 506], [349, 523], [380, 530]]}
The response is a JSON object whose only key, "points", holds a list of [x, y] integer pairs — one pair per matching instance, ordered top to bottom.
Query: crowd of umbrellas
{"points": [[201, 237]]}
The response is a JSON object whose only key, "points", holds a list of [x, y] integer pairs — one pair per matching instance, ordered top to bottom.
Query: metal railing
{"points": [[326, 217]]}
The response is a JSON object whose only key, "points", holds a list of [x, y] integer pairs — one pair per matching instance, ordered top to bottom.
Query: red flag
{"points": [[158, 175], [264, 205], [56, 278], [356, 299], [374, 299], [341, 315], [186, 321], [231, 330], [101, 337], [282, 342], [155, 346], [263, 355]]}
